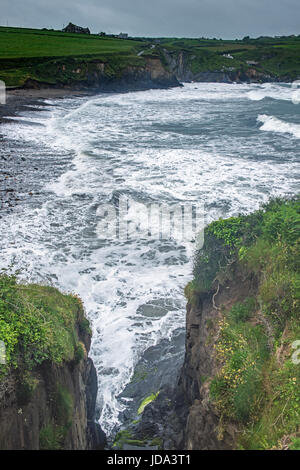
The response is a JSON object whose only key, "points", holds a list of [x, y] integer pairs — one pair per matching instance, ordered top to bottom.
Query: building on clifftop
{"points": [[72, 28], [123, 36]]}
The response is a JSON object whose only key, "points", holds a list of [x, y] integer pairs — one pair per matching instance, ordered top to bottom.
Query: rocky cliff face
{"points": [[180, 64], [166, 69], [151, 75], [104, 76], [239, 384], [52, 408], [185, 417], [203, 428]]}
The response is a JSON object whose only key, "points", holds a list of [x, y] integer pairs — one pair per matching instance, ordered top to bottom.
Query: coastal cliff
{"points": [[65, 60], [187, 67], [161, 69], [109, 75], [239, 381], [239, 384], [48, 385], [238, 387], [204, 427]]}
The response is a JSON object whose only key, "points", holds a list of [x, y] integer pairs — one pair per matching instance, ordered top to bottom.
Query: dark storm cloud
{"points": [[194, 18]]}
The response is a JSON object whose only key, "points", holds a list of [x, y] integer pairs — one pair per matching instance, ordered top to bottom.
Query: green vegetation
{"points": [[19, 43], [54, 57], [277, 57], [265, 239], [38, 323], [84, 327], [242, 349], [139, 375], [257, 384], [146, 402], [64, 406], [131, 435], [52, 436], [125, 437], [156, 442], [295, 444]]}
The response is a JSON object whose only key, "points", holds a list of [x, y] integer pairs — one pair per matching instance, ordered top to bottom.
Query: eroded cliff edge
{"points": [[155, 68], [118, 74], [239, 384], [48, 385]]}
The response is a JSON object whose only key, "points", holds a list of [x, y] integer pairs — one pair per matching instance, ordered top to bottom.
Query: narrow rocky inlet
{"points": [[229, 147]]}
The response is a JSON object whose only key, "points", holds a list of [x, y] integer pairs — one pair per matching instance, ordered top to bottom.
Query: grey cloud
{"points": [[189, 18]]}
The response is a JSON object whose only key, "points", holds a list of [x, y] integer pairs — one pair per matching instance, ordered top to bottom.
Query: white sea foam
{"points": [[271, 90], [273, 124], [186, 144]]}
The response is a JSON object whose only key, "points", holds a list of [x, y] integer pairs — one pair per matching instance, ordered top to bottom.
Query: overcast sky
{"points": [[181, 18]]}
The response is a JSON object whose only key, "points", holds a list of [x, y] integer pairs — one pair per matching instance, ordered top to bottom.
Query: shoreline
{"points": [[18, 99], [15, 168]]}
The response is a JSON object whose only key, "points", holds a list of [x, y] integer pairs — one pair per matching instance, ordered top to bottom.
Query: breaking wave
{"points": [[273, 124]]}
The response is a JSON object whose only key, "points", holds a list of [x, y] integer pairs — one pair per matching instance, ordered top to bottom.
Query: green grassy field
{"points": [[21, 43], [53, 56], [277, 57]]}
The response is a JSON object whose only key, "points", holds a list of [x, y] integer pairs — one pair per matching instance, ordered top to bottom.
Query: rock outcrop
{"points": [[180, 64], [102, 76], [239, 384], [52, 407], [184, 417], [203, 427]]}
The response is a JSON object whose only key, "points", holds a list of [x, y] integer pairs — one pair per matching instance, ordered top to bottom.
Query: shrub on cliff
{"points": [[276, 226], [38, 323], [257, 383]]}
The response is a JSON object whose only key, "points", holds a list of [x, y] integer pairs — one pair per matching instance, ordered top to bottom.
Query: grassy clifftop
{"points": [[20, 43], [276, 57], [57, 58], [37, 324], [255, 381], [48, 385]]}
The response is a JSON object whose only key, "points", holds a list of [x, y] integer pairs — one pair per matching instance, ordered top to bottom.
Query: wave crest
{"points": [[273, 124]]}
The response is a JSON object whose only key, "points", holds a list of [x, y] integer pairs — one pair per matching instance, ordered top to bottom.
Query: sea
{"points": [[97, 166]]}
